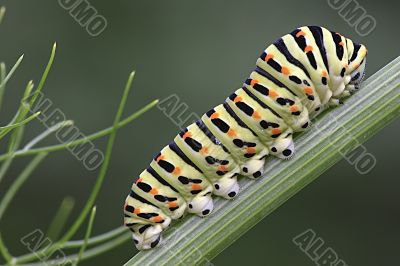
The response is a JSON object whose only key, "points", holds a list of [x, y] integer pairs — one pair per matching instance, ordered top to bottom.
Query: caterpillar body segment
{"points": [[295, 78]]}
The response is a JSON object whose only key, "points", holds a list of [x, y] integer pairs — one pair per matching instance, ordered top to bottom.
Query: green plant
{"points": [[12, 135]]}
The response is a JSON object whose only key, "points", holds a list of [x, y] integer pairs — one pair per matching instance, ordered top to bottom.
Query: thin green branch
{"points": [[2, 12], [9, 75], [44, 76], [2, 78], [3, 81], [26, 106], [6, 129], [46, 133], [334, 134], [91, 137], [12, 146], [4, 168], [100, 179], [19, 181], [10, 195], [60, 218], [87, 235], [105, 237], [97, 239], [4, 251], [90, 253]]}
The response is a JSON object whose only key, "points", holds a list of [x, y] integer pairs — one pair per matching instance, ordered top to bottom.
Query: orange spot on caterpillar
{"points": [[300, 33], [308, 48], [268, 57], [285, 70], [253, 82], [308, 90], [273, 93], [237, 99], [294, 108], [256, 115], [214, 116], [276, 131], [231, 132], [187, 135], [204, 150], [251, 150], [161, 157], [222, 168], [177, 171], [139, 180], [196, 187], [153, 191], [172, 204], [136, 211], [157, 219]]}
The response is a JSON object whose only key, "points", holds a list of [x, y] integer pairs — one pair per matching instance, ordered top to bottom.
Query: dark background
{"points": [[200, 50]]}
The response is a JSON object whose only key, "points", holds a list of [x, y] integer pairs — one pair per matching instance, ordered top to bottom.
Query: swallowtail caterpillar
{"points": [[295, 78]]}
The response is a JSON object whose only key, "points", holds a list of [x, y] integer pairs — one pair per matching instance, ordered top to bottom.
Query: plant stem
{"points": [[47, 132], [19, 181], [60, 218], [87, 235], [105, 237], [4, 251], [90, 253]]}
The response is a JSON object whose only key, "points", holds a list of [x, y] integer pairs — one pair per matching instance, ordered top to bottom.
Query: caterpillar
{"points": [[295, 78]]}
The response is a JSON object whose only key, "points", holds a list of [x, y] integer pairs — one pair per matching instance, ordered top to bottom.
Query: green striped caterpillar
{"points": [[295, 78]]}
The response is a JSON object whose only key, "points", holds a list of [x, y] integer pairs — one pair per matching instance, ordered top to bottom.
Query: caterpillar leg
{"points": [[283, 148], [288, 152], [254, 168], [226, 187], [201, 205], [146, 236]]}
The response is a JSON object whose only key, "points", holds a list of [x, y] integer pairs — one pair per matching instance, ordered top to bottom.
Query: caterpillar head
{"points": [[356, 68], [352, 74]]}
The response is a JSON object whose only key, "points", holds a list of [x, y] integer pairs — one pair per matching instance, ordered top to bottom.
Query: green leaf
{"points": [[341, 129]]}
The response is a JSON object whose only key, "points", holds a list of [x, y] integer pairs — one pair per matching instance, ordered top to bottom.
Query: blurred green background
{"points": [[200, 50]]}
